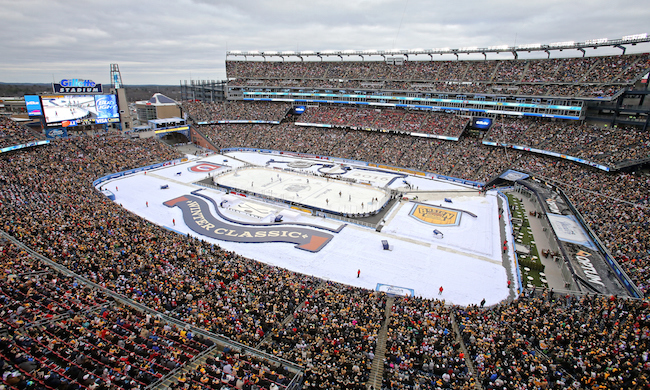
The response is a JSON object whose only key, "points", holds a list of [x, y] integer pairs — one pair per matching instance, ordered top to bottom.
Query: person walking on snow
{"points": [[358, 273], [440, 290]]}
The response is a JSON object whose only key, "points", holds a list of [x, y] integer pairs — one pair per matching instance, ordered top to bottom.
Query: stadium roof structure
{"points": [[547, 48], [158, 99]]}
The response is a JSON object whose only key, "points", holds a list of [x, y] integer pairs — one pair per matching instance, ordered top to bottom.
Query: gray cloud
{"points": [[163, 42]]}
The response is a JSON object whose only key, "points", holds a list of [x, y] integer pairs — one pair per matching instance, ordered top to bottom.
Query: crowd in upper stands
{"points": [[567, 77], [236, 111], [423, 122], [12, 133], [584, 141], [588, 142], [77, 338]]}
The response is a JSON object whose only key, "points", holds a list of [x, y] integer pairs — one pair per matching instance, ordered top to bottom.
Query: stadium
{"points": [[382, 223]]}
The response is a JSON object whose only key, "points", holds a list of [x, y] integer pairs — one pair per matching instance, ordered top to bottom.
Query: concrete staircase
{"points": [[268, 335], [468, 360], [377, 371], [171, 378]]}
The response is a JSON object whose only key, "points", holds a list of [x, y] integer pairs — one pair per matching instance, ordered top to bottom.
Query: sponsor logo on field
{"points": [[204, 167], [435, 215], [198, 217], [584, 259]]}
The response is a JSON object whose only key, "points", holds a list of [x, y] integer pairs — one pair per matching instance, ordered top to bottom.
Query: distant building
{"points": [[158, 107]]}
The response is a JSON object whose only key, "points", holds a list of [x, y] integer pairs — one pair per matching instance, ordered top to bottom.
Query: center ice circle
{"points": [[296, 187]]}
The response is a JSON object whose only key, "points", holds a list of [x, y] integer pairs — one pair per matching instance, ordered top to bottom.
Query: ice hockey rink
{"points": [[314, 191], [466, 260]]}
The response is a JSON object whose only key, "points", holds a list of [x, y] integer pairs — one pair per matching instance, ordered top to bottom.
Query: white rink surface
{"points": [[314, 191], [466, 262]]}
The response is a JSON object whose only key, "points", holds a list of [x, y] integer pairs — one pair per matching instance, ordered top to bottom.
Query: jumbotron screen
{"points": [[78, 110]]}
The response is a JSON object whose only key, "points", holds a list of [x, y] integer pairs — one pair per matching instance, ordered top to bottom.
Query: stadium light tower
{"points": [[116, 76], [122, 103]]}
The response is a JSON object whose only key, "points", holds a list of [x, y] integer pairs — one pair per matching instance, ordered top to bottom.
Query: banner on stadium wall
{"points": [[412, 99], [432, 108], [237, 121], [312, 124], [56, 133], [442, 137], [22, 146], [226, 150], [548, 153], [398, 169], [457, 180], [395, 290]]}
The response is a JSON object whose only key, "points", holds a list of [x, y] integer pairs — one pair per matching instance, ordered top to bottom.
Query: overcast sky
{"points": [[163, 42]]}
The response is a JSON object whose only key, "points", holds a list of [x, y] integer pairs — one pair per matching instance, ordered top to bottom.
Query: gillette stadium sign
{"points": [[77, 86]]}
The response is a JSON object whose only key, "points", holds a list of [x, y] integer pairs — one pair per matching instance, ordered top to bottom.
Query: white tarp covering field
{"points": [[466, 260]]}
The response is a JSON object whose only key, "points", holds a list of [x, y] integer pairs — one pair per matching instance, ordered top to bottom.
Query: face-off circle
{"points": [[296, 187]]}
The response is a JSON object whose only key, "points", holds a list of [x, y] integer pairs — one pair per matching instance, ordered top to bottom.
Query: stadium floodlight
{"points": [[634, 37], [596, 41], [562, 44], [530, 46], [469, 48], [498, 48], [418, 50], [348, 51], [252, 52], [307, 52], [270, 53], [288, 53]]}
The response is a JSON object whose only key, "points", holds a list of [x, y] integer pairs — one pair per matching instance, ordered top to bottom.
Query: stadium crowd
{"points": [[567, 77], [236, 111], [387, 119], [12, 134], [584, 141], [333, 335], [80, 339], [551, 341], [422, 350]]}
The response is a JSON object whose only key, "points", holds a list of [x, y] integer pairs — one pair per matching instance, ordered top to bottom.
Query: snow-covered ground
{"points": [[466, 261]]}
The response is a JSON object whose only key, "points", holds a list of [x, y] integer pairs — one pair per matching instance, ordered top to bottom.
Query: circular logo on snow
{"points": [[204, 167], [296, 187]]}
